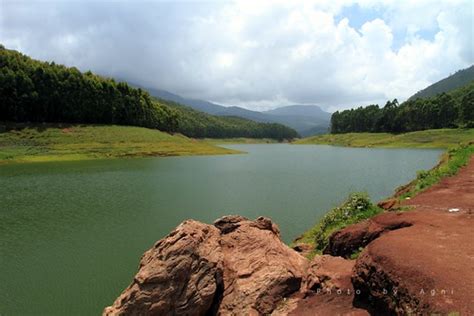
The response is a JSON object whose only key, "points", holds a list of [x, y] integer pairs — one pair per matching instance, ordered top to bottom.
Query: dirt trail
{"points": [[451, 193], [416, 262], [430, 262]]}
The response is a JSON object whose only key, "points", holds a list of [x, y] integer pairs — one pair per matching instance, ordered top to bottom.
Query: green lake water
{"points": [[72, 233]]}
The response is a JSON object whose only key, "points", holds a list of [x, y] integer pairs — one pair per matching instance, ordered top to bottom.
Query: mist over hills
{"points": [[459, 79], [307, 120]]}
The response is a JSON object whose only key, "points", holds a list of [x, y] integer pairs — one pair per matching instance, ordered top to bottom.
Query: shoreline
{"points": [[434, 138], [67, 142], [450, 163], [242, 266]]}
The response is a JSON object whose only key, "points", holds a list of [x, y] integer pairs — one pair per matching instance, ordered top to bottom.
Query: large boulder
{"points": [[235, 266], [259, 270], [180, 275]]}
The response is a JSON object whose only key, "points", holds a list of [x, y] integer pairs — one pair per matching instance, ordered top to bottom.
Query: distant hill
{"points": [[457, 80], [32, 91], [196, 104], [300, 110], [307, 120]]}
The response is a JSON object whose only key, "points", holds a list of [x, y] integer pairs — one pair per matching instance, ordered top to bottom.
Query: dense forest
{"points": [[36, 92], [446, 110], [199, 124]]}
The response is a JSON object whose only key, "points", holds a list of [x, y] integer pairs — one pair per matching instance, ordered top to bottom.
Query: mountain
{"points": [[457, 80], [32, 91], [196, 104], [300, 110], [307, 120]]}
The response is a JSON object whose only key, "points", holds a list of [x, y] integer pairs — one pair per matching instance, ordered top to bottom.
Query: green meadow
{"points": [[435, 138], [83, 142]]}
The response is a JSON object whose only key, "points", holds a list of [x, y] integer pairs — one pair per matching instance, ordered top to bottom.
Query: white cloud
{"points": [[253, 53]]}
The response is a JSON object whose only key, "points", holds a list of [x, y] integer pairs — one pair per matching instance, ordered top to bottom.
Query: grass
{"points": [[435, 138], [240, 140], [82, 142], [453, 160], [355, 209]]}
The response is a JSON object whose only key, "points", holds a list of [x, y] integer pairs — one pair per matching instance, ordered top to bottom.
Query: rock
{"points": [[388, 204], [348, 240], [303, 249], [416, 262], [235, 266], [426, 268], [259, 270], [330, 273], [181, 275], [328, 289]]}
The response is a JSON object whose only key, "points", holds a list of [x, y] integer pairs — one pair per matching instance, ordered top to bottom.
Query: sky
{"points": [[257, 54]]}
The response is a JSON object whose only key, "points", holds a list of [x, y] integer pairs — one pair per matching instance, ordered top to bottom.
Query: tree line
{"points": [[36, 92], [446, 110]]}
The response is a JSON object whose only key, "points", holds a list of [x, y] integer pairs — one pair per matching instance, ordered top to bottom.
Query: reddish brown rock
{"points": [[388, 204], [346, 241], [303, 249], [421, 261], [416, 262], [236, 267], [426, 268], [259, 270], [181, 273], [330, 273], [328, 289]]}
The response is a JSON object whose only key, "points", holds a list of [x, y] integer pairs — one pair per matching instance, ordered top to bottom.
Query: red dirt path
{"points": [[452, 192], [429, 260]]}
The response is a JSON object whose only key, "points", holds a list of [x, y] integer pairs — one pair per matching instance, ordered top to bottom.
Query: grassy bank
{"points": [[436, 138], [240, 140], [81, 142], [451, 161], [358, 207]]}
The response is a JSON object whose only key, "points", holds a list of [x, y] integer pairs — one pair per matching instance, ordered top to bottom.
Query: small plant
{"points": [[356, 208], [356, 253]]}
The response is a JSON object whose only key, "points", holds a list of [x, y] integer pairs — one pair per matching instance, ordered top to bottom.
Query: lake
{"points": [[72, 233]]}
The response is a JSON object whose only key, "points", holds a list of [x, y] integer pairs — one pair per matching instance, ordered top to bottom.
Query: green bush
{"points": [[356, 208]]}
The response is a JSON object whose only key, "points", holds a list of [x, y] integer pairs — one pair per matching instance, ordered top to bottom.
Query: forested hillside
{"points": [[456, 80], [34, 91], [446, 110], [305, 119], [197, 124]]}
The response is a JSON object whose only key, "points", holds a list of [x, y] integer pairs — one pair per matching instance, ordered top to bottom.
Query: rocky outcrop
{"points": [[346, 241], [416, 262], [235, 266], [426, 268], [259, 270], [181, 273], [328, 289]]}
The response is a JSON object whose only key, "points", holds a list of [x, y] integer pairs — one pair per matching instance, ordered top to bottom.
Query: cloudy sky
{"points": [[256, 54]]}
